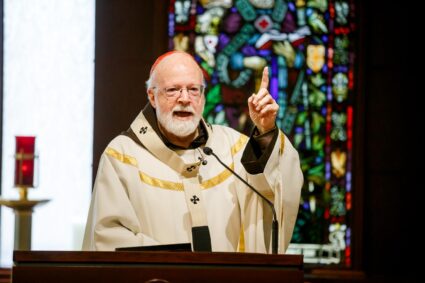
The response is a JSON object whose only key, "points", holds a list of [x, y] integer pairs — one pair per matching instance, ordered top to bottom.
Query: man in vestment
{"points": [[156, 186]]}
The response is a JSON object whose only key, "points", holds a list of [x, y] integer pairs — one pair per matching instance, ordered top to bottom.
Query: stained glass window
{"points": [[308, 47]]}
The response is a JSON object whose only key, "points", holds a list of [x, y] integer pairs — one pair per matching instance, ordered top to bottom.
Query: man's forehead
{"points": [[169, 54]]}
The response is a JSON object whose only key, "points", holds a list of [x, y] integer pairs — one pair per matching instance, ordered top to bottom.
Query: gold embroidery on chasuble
{"points": [[282, 143], [178, 186]]}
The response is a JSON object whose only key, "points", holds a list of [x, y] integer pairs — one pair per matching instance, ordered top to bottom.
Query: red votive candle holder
{"points": [[24, 161]]}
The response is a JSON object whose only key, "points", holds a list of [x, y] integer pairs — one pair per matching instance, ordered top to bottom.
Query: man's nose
{"points": [[184, 96]]}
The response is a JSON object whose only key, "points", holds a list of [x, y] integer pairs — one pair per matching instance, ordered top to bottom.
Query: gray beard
{"points": [[176, 127]]}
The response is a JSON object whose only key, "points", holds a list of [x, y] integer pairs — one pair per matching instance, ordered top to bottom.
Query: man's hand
{"points": [[262, 107]]}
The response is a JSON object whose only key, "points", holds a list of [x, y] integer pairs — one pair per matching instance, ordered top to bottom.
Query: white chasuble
{"points": [[144, 193]]}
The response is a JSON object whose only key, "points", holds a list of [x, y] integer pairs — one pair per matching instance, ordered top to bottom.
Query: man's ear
{"points": [[151, 97]]}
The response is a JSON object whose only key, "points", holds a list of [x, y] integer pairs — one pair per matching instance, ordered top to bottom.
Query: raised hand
{"points": [[262, 107]]}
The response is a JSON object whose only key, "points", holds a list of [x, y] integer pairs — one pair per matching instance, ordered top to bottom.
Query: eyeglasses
{"points": [[174, 92]]}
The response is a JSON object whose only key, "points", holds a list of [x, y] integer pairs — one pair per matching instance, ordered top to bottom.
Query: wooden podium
{"points": [[154, 267]]}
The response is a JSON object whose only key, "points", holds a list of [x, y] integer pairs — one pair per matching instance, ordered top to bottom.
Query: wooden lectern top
{"points": [[124, 266]]}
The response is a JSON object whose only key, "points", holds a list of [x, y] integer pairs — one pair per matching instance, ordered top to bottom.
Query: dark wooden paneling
{"points": [[130, 34], [1, 99], [393, 142], [65, 266], [156, 273], [5, 275]]}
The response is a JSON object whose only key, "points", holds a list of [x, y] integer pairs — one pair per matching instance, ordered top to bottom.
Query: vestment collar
{"points": [[146, 129]]}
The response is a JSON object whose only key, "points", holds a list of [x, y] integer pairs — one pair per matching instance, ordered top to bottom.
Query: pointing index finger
{"points": [[265, 78]]}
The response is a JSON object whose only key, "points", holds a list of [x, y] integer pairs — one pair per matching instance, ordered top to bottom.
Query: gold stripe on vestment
{"points": [[282, 143], [238, 145], [121, 157], [220, 178], [155, 182], [163, 184], [241, 245]]}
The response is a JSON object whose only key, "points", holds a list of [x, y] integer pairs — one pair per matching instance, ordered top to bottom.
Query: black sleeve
{"points": [[258, 150]]}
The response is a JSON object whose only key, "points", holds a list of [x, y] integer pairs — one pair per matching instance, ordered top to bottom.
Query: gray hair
{"points": [[148, 83]]}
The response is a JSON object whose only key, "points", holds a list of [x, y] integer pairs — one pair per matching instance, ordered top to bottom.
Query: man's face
{"points": [[176, 94]]}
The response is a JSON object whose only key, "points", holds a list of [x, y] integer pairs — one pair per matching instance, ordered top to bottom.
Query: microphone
{"points": [[275, 224]]}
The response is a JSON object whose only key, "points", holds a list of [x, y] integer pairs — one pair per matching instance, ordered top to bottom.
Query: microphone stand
{"points": [[275, 224]]}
